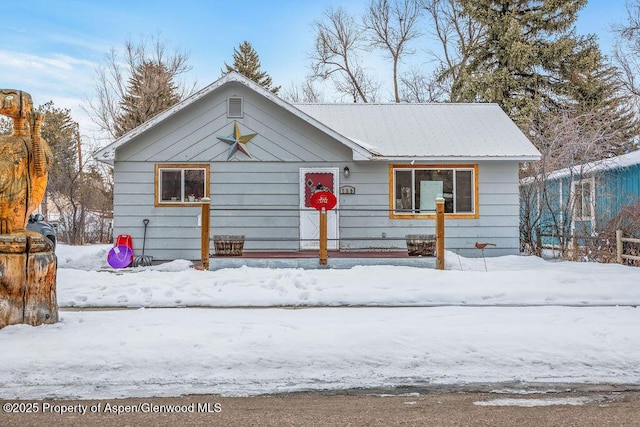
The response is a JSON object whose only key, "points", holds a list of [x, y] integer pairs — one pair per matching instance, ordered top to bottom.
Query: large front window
{"points": [[181, 184], [415, 189]]}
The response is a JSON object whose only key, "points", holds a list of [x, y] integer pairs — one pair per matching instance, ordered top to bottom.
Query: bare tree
{"points": [[391, 26], [457, 35], [339, 41], [627, 50], [111, 86], [416, 86], [305, 92], [569, 140], [78, 191]]}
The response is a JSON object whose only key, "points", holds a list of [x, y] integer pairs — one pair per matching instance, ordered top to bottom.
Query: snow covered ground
{"points": [[86, 280], [524, 320]]}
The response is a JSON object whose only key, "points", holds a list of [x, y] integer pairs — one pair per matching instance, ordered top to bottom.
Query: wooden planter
{"points": [[421, 244], [228, 245]]}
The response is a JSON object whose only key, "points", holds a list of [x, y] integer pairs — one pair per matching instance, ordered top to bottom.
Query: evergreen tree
{"points": [[527, 49], [247, 62], [114, 83], [150, 91], [601, 92], [61, 132]]}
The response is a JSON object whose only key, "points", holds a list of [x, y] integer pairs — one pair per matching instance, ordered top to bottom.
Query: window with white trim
{"points": [[181, 184], [416, 188], [583, 201]]}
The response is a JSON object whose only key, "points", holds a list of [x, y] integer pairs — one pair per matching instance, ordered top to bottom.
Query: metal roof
{"points": [[438, 130], [386, 131]]}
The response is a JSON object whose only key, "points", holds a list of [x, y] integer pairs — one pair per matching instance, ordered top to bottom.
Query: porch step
{"points": [[311, 262]]}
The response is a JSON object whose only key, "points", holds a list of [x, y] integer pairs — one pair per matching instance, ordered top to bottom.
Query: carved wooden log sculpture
{"points": [[27, 262]]}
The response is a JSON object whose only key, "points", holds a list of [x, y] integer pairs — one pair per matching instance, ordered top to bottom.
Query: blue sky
{"points": [[51, 48]]}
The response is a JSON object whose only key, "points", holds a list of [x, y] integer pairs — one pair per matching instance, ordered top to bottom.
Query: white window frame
{"points": [[579, 216]]}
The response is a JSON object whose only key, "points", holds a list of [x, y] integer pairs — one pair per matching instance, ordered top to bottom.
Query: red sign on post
{"points": [[324, 199]]}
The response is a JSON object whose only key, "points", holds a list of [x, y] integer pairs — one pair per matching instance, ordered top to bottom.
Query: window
{"points": [[181, 184], [414, 190], [583, 200]]}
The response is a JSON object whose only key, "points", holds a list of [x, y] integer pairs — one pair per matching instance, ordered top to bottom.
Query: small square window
{"points": [[180, 184]]}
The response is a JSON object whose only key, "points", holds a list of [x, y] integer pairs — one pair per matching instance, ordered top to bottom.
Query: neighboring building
{"points": [[259, 159], [582, 199], [97, 226]]}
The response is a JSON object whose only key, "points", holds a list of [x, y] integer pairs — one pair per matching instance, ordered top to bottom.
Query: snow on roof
{"points": [[366, 146], [618, 162]]}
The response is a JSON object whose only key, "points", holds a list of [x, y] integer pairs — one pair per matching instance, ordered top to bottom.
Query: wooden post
{"points": [[440, 233], [204, 236], [323, 237], [538, 242], [619, 246], [28, 269]]}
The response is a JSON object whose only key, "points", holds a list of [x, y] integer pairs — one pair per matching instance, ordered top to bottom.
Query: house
{"points": [[260, 158], [582, 199]]}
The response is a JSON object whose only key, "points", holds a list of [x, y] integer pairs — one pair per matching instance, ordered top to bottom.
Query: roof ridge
{"points": [[396, 103]]}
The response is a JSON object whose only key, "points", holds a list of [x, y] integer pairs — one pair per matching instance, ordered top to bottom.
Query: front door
{"points": [[312, 180]]}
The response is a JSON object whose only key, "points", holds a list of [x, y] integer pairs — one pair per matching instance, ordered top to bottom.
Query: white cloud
{"points": [[19, 65], [63, 79]]}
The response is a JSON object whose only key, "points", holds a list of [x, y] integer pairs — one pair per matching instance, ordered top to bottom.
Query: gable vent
{"points": [[235, 107]]}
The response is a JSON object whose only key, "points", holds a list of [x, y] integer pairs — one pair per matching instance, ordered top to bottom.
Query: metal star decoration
{"points": [[237, 141]]}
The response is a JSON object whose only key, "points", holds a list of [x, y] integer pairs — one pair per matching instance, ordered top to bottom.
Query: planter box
{"points": [[421, 244], [228, 245]]}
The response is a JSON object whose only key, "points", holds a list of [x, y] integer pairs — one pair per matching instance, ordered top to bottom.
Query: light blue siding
{"points": [[259, 196], [260, 200]]}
